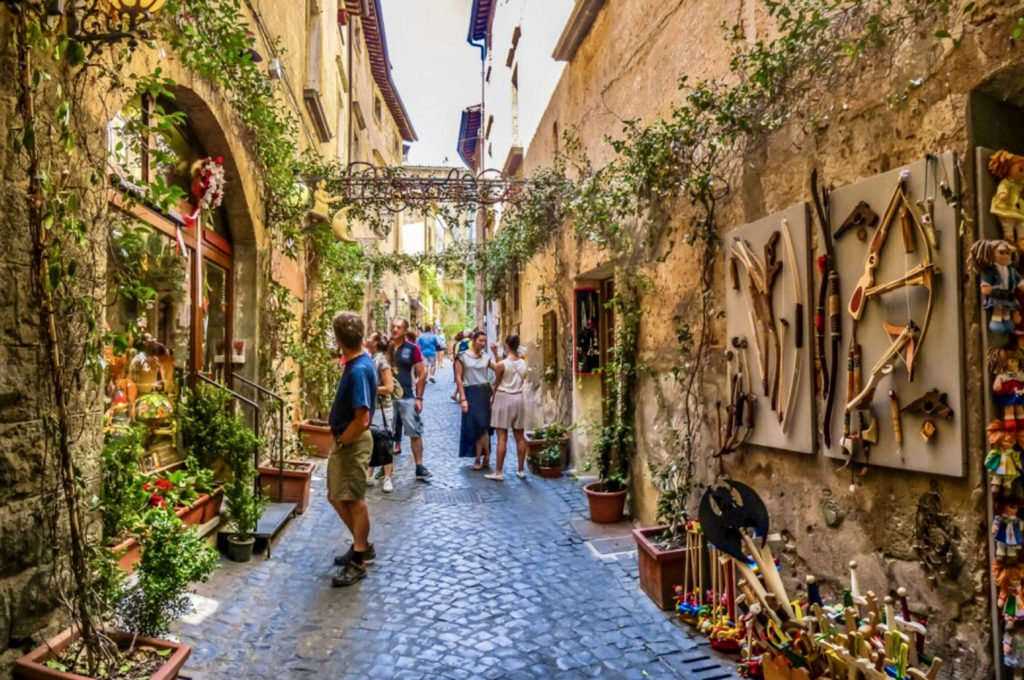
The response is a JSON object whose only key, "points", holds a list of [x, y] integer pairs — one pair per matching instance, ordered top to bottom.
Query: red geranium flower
{"points": [[163, 484], [146, 486], [157, 501]]}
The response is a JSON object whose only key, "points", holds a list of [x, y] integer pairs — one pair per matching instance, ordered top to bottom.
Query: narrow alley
{"points": [[473, 579]]}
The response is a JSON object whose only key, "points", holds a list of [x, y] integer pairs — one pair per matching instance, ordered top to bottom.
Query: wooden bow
{"points": [[922, 274]]}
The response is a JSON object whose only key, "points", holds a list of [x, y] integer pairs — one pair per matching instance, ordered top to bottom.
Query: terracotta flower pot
{"points": [[317, 436], [535, 446], [550, 472], [294, 484], [212, 507], [606, 507], [193, 514], [132, 553], [660, 570], [33, 666]]}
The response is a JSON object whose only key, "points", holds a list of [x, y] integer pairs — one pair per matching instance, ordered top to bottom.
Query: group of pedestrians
{"points": [[390, 374], [485, 408]]}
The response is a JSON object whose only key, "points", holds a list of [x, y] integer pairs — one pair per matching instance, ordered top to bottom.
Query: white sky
{"points": [[436, 71]]}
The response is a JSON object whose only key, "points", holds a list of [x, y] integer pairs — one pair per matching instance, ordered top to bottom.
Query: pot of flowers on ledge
{"points": [[316, 434], [552, 439], [288, 482], [142, 609]]}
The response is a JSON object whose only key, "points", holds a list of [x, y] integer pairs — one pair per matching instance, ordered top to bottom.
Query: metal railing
{"points": [[248, 402], [280, 428]]}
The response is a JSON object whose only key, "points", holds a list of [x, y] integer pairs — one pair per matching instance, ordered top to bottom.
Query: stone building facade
{"points": [[623, 62], [329, 64]]}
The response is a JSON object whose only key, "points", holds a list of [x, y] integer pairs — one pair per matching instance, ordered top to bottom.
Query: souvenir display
{"points": [[1007, 203], [1000, 283], [894, 318], [587, 337], [770, 400], [782, 637], [1013, 649]]}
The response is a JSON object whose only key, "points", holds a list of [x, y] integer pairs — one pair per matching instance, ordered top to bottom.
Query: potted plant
{"points": [[543, 438], [547, 463], [288, 481], [606, 497], [122, 498], [243, 503], [244, 509], [663, 559], [144, 608]]}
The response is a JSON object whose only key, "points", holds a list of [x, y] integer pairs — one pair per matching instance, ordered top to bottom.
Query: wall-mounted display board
{"points": [[899, 271], [768, 308], [586, 332]]}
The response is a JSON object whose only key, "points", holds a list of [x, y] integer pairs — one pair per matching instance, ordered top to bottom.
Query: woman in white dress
{"points": [[508, 411]]}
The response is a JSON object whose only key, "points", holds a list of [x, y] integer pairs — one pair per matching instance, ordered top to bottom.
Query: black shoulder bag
{"points": [[383, 441]]}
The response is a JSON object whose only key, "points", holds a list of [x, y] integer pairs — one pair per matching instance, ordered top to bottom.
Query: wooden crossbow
{"points": [[922, 274]]}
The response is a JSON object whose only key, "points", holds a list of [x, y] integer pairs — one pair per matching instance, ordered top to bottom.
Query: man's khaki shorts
{"points": [[347, 469]]}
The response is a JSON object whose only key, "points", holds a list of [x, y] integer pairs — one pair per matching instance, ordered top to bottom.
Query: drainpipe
{"points": [[351, 86]]}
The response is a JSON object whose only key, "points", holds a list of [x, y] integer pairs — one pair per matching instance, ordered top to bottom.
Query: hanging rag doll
{"points": [[1008, 203], [1000, 282], [1008, 385], [1003, 461], [1007, 531], [1008, 579], [1013, 649]]}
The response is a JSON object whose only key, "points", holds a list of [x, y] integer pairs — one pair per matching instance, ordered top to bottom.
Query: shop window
{"points": [[165, 325]]}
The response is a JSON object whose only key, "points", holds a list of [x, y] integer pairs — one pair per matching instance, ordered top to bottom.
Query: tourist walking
{"points": [[442, 345], [377, 346], [428, 347], [407, 361], [475, 400], [508, 411], [353, 445]]}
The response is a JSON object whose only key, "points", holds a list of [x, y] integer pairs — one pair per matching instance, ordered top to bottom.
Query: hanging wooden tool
{"points": [[829, 283], [798, 324], [905, 337]]}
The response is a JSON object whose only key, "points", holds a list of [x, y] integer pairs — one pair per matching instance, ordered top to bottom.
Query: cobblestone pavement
{"points": [[473, 579]]}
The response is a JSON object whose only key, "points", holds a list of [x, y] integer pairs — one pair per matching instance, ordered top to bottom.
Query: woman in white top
{"points": [[475, 400], [508, 410]]}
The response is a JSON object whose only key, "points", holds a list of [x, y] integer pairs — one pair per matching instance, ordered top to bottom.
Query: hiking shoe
{"points": [[422, 472], [370, 481], [386, 486], [369, 555], [349, 574]]}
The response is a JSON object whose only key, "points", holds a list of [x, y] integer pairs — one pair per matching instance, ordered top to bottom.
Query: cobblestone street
{"points": [[473, 579]]}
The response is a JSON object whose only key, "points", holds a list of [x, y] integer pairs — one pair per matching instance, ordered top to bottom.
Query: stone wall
{"points": [[627, 67]]}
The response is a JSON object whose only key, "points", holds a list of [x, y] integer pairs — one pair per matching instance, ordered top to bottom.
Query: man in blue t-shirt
{"points": [[428, 347], [407, 363], [349, 464]]}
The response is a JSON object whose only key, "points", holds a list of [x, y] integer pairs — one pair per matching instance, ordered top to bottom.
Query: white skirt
{"points": [[508, 411]]}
